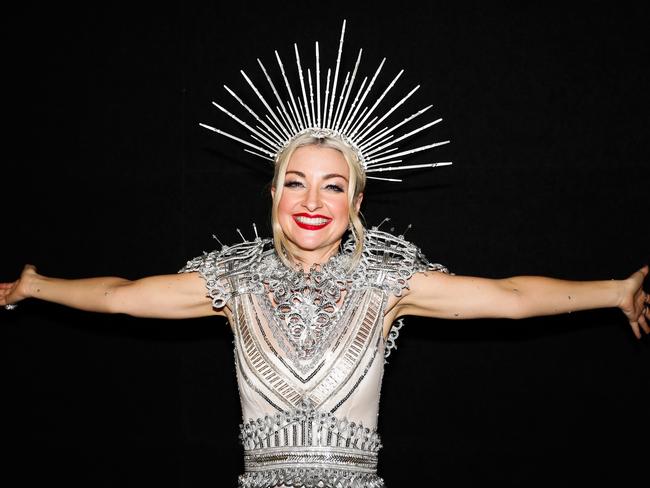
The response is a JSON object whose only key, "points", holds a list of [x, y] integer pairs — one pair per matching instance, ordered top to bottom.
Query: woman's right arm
{"points": [[173, 296]]}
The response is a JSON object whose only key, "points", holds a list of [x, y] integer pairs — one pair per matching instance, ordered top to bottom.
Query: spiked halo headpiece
{"points": [[303, 114]]}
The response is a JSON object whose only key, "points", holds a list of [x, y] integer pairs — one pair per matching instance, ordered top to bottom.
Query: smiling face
{"points": [[314, 205]]}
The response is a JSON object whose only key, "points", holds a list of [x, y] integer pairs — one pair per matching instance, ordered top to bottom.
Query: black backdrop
{"points": [[107, 172]]}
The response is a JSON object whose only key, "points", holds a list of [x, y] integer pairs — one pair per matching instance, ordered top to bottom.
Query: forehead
{"points": [[317, 160]]}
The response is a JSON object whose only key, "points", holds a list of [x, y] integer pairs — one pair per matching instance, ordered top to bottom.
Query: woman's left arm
{"points": [[465, 297]]}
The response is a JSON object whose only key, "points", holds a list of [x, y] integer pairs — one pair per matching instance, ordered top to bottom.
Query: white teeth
{"points": [[311, 221]]}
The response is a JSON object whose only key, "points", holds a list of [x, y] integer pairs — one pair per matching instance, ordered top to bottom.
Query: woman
{"points": [[312, 316]]}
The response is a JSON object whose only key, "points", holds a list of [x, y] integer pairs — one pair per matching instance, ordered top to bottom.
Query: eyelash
{"points": [[293, 184], [336, 188]]}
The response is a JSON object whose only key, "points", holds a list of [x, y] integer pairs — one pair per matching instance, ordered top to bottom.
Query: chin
{"points": [[311, 242]]}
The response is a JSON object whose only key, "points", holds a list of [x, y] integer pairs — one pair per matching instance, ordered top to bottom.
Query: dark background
{"points": [[107, 172]]}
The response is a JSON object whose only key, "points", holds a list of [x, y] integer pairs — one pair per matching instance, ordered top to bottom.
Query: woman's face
{"points": [[313, 208]]}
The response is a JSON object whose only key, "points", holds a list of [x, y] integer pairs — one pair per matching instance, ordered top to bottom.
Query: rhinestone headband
{"points": [[306, 112]]}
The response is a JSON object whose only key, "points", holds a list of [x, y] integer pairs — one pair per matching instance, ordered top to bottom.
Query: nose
{"points": [[312, 200]]}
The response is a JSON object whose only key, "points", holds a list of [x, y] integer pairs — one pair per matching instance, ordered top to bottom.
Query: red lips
{"points": [[303, 225]]}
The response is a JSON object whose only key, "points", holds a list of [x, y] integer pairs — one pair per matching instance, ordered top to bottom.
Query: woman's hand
{"points": [[16, 291], [635, 303]]}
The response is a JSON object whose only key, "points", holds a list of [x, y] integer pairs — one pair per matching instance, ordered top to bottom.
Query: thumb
{"points": [[28, 269], [644, 270]]}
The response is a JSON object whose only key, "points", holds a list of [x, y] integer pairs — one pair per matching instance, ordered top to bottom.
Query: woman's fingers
{"points": [[644, 270], [6, 289], [644, 324], [635, 329]]}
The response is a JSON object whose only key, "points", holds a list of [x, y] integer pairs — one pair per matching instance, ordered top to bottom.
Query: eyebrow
{"points": [[326, 177]]}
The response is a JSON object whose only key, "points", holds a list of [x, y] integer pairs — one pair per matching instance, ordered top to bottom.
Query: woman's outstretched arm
{"points": [[173, 296], [466, 297]]}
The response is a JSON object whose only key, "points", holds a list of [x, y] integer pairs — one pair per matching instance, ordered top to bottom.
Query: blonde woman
{"points": [[311, 315]]}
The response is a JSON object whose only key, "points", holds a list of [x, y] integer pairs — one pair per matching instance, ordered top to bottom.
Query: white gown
{"points": [[309, 353]]}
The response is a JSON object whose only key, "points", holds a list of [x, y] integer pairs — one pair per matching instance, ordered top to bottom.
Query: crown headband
{"points": [[303, 114]]}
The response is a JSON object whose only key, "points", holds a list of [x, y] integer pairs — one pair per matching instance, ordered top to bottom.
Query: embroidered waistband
{"points": [[308, 428], [308, 448], [299, 457], [310, 478]]}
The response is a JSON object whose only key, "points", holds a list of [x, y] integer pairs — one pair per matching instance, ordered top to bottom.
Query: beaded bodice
{"points": [[309, 355]]}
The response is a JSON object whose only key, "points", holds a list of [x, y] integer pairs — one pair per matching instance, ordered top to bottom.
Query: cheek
{"points": [[285, 206], [339, 206]]}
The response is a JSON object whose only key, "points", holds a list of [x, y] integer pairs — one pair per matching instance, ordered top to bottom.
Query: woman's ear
{"points": [[357, 203]]}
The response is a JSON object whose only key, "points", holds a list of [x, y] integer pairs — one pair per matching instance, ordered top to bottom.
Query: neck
{"points": [[306, 259]]}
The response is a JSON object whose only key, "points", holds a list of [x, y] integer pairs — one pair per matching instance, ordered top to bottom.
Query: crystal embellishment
{"points": [[305, 305]]}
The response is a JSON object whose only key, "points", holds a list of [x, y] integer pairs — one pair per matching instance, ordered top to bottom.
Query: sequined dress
{"points": [[309, 356]]}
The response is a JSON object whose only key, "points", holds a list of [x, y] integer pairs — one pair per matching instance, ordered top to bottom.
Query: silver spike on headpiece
{"points": [[329, 115]]}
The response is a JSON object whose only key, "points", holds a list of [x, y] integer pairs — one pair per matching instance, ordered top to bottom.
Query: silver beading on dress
{"points": [[308, 112], [11, 306], [308, 355], [309, 448]]}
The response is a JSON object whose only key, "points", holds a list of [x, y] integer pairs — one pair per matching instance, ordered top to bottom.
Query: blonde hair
{"points": [[356, 185]]}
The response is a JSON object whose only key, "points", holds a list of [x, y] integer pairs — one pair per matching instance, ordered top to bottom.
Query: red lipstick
{"points": [[304, 225]]}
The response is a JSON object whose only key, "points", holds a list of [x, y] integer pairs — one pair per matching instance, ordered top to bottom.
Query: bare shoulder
{"points": [[428, 280], [423, 283], [193, 284]]}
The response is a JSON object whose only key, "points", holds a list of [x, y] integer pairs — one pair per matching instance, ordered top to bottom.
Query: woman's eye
{"points": [[292, 184], [334, 187]]}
